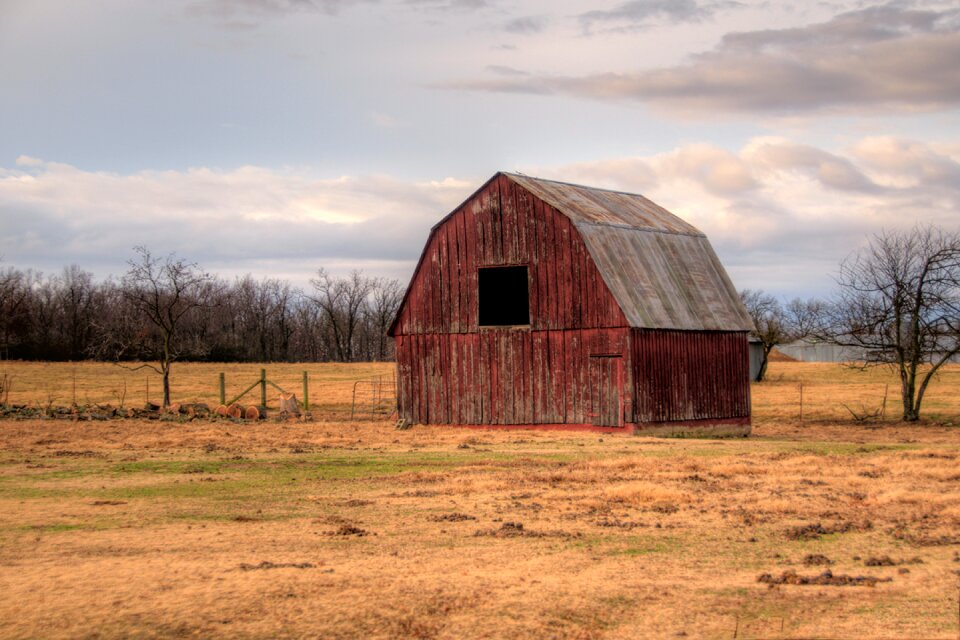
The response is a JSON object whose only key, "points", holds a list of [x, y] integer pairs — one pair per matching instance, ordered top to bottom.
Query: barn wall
{"points": [[503, 224], [690, 375], [503, 376]]}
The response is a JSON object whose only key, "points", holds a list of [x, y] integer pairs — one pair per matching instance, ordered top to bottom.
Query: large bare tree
{"points": [[160, 295], [899, 301]]}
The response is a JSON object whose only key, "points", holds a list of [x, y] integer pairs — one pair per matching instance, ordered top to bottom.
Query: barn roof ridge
{"points": [[514, 174], [605, 207], [627, 227]]}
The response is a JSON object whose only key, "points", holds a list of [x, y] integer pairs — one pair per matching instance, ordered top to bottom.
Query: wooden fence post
{"points": [[263, 387], [223, 388], [306, 393]]}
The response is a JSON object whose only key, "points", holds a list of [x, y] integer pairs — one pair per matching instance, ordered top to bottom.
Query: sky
{"points": [[276, 137]]}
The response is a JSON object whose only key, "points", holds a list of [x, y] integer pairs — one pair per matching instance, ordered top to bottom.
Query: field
{"points": [[338, 529]]}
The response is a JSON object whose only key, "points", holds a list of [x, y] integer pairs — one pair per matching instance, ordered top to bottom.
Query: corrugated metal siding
{"points": [[501, 225], [666, 281], [681, 375], [504, 377]]}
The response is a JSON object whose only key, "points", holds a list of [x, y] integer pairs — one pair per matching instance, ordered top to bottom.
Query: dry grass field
{"points": [[340, 529]]}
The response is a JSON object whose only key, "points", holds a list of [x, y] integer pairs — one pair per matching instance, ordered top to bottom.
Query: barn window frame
{"points": [[495, 281]]}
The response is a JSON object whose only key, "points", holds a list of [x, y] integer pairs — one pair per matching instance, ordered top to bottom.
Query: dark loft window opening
{"points": [[504, 296]]}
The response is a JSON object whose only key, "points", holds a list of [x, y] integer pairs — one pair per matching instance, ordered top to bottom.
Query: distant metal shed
{"points": [[545, 303]]}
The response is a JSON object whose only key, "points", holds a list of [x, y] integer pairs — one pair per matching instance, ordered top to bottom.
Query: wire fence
{"points": [[325, 390], [799, 392]]}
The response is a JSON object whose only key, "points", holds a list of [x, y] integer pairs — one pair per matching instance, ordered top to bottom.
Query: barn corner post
{"points": [[541, 303]]}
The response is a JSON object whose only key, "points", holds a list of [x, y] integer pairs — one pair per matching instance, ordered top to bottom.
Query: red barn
{"points": [[544, 303]]}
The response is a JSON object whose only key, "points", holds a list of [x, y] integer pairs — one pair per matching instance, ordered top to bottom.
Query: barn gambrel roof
{"points": [[662, 270]]}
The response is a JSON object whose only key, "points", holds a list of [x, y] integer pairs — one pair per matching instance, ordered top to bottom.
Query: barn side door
{"points": [[606, 390]]}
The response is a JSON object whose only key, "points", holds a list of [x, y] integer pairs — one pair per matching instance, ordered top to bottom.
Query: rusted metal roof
{"points": [[600, 206], [661, 270]]}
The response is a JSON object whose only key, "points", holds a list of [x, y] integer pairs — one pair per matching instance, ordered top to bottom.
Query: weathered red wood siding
{"points": [[503, 224], [451, 371], [690, 375], [504, 377]]}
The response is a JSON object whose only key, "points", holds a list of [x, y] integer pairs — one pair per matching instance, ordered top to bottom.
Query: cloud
{"points": [[447, 5], [229, 11], [639, 14], [526, 25], [882, 59], [502, 70], [27, 161], [905, 163], [830, 170], [55, 214]]}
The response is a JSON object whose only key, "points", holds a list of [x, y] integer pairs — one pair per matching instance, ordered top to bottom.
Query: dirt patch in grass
{"points": [[452, 517], [348, 530], [816, 530], [887, 561], [266, 564], [827, 579]]}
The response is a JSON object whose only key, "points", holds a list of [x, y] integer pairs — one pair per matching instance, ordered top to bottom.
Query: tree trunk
{"points": [[762, 372], [166, 387], [911, 412]]}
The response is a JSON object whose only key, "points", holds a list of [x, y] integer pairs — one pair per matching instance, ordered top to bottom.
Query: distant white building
{"points": [[807, 350]]}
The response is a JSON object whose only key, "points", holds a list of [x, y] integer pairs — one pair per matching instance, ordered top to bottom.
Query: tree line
{"points": [[897, 300], [166, 308]]}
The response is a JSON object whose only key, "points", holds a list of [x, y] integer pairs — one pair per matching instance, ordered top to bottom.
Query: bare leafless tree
{"points": [[16, 288], [160, 294], [76, 296], [898, 300], [342, 302], [384, 302], [775, 323]]}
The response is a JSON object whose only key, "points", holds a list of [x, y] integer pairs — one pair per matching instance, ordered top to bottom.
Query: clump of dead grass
{"points": [[642, 493]]}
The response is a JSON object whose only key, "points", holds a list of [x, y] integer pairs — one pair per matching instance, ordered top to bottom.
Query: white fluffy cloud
{"points": [[781, 214], [286, 222]]}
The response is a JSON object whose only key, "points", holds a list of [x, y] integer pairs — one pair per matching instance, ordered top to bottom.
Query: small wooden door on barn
{"points": [[606, 390]]}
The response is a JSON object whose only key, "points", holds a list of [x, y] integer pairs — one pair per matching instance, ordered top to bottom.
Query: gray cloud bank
{"points": [[885, 58]]}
